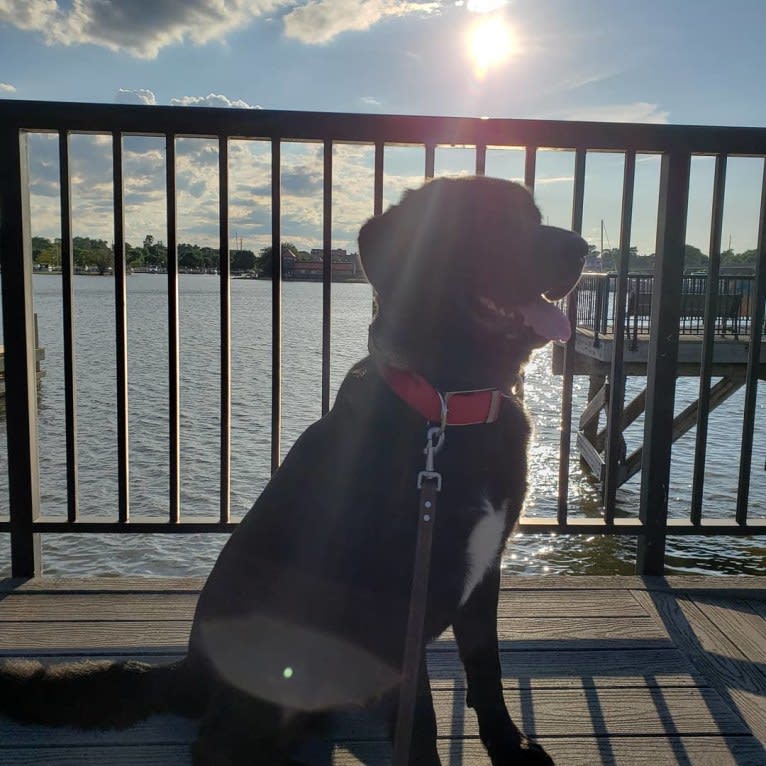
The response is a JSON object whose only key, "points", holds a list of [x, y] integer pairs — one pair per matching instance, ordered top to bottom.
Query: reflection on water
{"points": [[251, 422]]}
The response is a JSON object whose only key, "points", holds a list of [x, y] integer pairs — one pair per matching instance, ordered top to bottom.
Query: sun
{"points": [[491, 42]]}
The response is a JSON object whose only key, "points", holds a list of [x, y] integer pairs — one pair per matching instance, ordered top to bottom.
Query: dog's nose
{"points": [[562, 242], [582, 249]]}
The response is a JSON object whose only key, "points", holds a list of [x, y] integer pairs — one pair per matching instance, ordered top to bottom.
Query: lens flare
{"points": [[491, 43]]}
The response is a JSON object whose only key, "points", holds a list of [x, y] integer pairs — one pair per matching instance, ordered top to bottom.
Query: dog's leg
{"points": [[476, 633], [238, 730], [423, 746]]}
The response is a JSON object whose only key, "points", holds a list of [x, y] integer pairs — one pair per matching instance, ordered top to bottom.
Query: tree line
{"points": [[91, 254], [97, 254], [694, 259]]}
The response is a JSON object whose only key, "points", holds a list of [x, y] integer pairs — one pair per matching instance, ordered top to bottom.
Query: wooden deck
{"points": [[730, 355], [602, 670]]}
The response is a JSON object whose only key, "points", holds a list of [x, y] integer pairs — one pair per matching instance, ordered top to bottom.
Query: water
{"points": [[251, 421]]}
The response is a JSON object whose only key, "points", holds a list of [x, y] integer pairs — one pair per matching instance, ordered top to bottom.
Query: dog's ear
{"points": [[381, 250]]}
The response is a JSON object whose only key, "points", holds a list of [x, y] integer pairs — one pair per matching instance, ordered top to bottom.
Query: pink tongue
{"points": [[546, 319]]}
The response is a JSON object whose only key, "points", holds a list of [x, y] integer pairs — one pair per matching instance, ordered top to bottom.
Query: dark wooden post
{"points": [[662, 361], [753, 363], [20, 373], [617, 378], [567, 383]]}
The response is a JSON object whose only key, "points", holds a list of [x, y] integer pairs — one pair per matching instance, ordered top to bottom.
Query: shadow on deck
{"points": [[602, 670]]}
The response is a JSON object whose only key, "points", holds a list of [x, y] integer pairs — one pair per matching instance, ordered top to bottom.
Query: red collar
{"points": [[464, 408]]}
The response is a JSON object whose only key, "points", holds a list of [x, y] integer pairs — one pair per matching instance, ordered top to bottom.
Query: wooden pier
{"points": [[595, 346], [39, 357], [595, 359], [602, 670]]}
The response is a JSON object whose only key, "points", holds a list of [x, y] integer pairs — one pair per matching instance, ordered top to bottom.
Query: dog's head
{"points": [[465, 275]]}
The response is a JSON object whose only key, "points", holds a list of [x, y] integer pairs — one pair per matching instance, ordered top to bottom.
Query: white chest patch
{"points": [[483, 546]]}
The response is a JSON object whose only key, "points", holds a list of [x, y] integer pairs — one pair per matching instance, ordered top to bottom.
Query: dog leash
{"points": [[453, 408], [429, 483]]}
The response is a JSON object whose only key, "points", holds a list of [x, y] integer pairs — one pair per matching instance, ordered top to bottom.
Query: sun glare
{"points": [[491, 43]]}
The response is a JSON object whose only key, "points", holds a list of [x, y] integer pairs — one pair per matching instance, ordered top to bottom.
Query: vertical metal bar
{"points": [[481, 159], [430, 161], [530, 162], [377, 204], [224, 269], [326, 275], [67, 300], [276, 303], [597, 309], [708, 330], [121, 332], [19, 339], [662, 361], [753, 364], [617, 374], [567, 383], [174, 396]]}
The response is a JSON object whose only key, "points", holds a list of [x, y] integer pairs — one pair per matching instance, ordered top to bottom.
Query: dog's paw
{"points": [[518, 750], [531, 754]]}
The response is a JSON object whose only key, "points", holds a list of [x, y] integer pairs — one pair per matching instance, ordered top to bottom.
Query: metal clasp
{"points": [[434, 442]]}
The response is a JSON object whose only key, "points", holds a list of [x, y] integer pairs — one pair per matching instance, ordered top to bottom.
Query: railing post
{"points": [[19, 339], [663, 361], [617, 377]]}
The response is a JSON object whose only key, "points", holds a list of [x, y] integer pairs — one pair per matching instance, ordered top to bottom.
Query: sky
{"points": [[674, 61]]}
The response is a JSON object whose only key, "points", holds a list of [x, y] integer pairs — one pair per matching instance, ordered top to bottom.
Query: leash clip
{"points": [[431, 448]]}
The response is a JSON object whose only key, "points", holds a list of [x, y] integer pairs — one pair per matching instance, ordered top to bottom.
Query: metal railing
{"points": [[674, 144], [597, 305]]}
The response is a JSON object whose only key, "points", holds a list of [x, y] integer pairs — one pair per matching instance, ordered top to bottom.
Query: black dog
{"points": [[306, 608]]}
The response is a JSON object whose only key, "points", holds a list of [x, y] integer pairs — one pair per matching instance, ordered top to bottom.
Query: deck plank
{"points": [[135, 583], [745, 586], [131, 605], [97, 607], [740, 622], [165, 636], [100, 637], [528, 669], [582, 669], [621, 670], [730, 671], [546, 712], [634, 712], [581, 751], [588, 751]]}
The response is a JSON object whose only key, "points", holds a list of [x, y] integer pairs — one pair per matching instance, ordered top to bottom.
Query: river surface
{"points": [[251, 419]]}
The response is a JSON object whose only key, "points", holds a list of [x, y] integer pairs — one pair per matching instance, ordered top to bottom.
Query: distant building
{"points": [[339, 255], [310, 266], [315, 270]]}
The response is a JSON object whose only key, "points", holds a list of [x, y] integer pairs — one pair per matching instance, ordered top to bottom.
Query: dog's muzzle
{"points": [[564, 252]]}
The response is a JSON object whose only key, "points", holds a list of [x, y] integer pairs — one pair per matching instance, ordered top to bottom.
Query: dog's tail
{"points": [[98, 694]]}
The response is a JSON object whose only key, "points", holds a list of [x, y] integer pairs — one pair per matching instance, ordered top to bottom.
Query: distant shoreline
{"points": [[57, 273]]}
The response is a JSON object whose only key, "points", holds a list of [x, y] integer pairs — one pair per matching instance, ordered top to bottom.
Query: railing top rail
{"points": [[363, 128]]}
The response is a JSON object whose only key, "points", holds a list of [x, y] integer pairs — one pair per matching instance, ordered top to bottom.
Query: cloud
{"points": [[485, 6], [320, 21], [139, 27], [143, 28], [582, 79], [6, 87], [139, 96], [212, 99], [638, 111], [554, 180], [301, 181], [197, 189]]}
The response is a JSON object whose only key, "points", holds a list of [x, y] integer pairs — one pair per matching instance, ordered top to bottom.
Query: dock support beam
{"points": [[663, 360]]}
